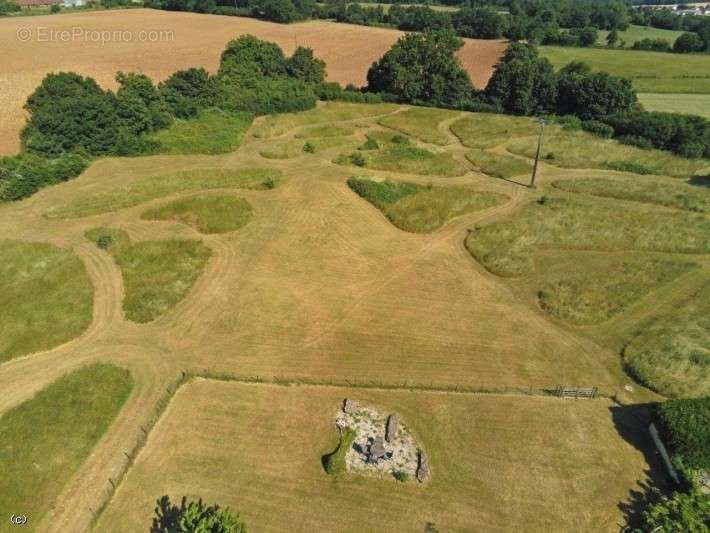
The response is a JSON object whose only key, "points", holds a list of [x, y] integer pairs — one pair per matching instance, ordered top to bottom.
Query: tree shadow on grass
{"points": [[700, 181], [631, 422], [167, 515]]}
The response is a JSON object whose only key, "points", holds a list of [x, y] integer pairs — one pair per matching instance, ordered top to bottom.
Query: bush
{"points": [[56, 8], [687, 43], [655, 45], [598, 128], [370, 144], [309, 148], [357, 159], [628, 166], [23, 175], [269, 183], [685, 428], [334, 462], [401, 475], [687, 512], [194, 517]]}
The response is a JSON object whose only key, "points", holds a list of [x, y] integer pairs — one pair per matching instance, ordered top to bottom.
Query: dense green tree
{"points": [[7, 6], [418, 18], [478, 23], [612, 38], [688, 42], [249, 58], [304, 66], [422, 67], [523, 83], [134, 88], [186, 92], [592, 96], [68, 112], [24, 174], [686, 512], [195, 517]]}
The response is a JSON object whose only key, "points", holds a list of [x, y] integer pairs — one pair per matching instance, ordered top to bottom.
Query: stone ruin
{"points": [[383, 445]]}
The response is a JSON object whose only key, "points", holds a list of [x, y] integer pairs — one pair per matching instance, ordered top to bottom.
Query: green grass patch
{"points": [[637, 33], [651, 72], [687, 104], [420, 122], [276, 125], [486, 130], [325, 131], [212, 132], [579, 149], [283, 150], [407, 159], [501, 166], [146, 189], [666, 193], [422, 209], [207, 214], [507, 248], [156, 274], [591, 289], [46, 298], [672, 354], [45, 440], [334, 462]]}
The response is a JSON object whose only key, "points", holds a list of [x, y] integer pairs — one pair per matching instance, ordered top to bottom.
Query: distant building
{"points": [[74, 3]]}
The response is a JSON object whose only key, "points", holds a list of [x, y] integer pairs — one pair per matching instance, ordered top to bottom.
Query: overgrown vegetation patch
{"points": [[421, 122], [485, 130], [213, 131], [325, 131], [578, 149], [406, 158], [500, 166], [145, 189], [666, 193], [422, 209], [207, 214], [507, 248], [156, 274], [591, 289], [46, 297], [672, 354], [45, 440], [334, 462]]}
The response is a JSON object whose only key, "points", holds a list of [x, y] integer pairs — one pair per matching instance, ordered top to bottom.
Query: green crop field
{"points": [[636, 33], [651, 72], [688, 104]]}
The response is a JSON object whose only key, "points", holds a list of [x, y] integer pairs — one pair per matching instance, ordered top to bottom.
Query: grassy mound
{"points": [[421, 122], [274, 126], [485, 130], [212, 132], [578, 149], [407, 159], [500, 166], [146, 189], [669, 194], [420, 209], [207, 214], [507, 248], [156, 274], [590, 290], [45, 295], [672, 354], [47, 438], [334, 462]]}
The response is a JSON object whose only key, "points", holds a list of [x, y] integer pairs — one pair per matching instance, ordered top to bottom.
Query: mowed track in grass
{"points": [[181, 40], [318, 286], [497, 462]]}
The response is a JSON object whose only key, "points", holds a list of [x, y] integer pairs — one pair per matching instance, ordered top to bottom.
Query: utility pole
{"points": [[537, 154]]}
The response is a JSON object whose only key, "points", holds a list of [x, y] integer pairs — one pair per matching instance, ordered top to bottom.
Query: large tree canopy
{"points": [[422, 67]]}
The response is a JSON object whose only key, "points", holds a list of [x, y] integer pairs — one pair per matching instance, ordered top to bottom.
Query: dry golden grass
{"points": [[198, 41], [320, 285], [499, 463]]}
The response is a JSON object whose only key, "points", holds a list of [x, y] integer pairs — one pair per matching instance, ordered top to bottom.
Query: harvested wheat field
{"points": [[179, 40], [384, 262]]}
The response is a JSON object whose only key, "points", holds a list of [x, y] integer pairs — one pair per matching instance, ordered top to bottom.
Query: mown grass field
{"points": [[637, 33], [651, 72], [688, 104], [421, 122], [207, 214], [36, 272], [156, 274], [322, 287], [44, 441], [518, 463]]}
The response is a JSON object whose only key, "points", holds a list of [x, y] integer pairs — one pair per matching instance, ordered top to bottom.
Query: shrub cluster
{"points": [[70, 114], [684, 425]]}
